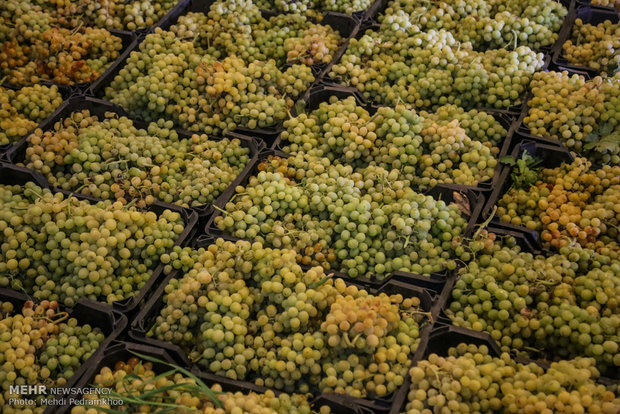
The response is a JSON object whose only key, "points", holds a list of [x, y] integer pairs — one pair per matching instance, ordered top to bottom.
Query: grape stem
{"points": [[221, 210], [485, 223]]}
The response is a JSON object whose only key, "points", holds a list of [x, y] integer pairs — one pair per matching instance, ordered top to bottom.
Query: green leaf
{"points": [[508, 159]]}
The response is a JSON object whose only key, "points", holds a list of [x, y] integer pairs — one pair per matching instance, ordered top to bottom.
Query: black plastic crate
{"points": [[589, 15], [65, 91], [99, 107], [552, 156], [15, 175], [446, 192], [145, 319], [111, 323], [123, 350]]}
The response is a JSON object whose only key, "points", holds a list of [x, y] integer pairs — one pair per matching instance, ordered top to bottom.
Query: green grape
{"points": [[596, 46], [401, 64], [583, 114], [449, 146], [112, 159], [366, 223], [105, 251], [558, 307], [252, 313], [40, 345], [469, 379], [186, 394]]}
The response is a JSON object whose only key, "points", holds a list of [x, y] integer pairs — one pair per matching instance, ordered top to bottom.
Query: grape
{"points": [[607, 3], [314, 8], [486, 25], [596, 46], [59, 55], [430, 69], [169, 78], [21, 111], [583, 115], [428, 149], [113, 160], [574, 203], [365, 223], [59, 248], [558, 307], [249, 312], [39, 344], [134, 377], [468, 379]]}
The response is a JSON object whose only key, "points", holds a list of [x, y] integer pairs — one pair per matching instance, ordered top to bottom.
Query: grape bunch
{"points": [[607, 3], [314, 8], [108, 14], [485, 24], [237, 28], [595, 46], [59, 55], [431, 69], [168, 78], [21, 111], [583, 114], [447, 146], [111, 159], [574, 203], [365, 223], [61, 249], [562, 306], [250, 312], [40, 344], [469, 379], [133, 380]]}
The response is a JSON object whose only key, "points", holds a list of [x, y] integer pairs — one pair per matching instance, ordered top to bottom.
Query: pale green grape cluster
{"points": [[314, 8], [109, 14], [485, 24], [236, 28], [595, 46], [430, 69], [171, 78], [21, 111], [583, 114], [447, 146], [111, 159], [365, 223], [62, 249], [557, 307], [250, 312], [39, 344], [135, 377], [469, 379]]}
